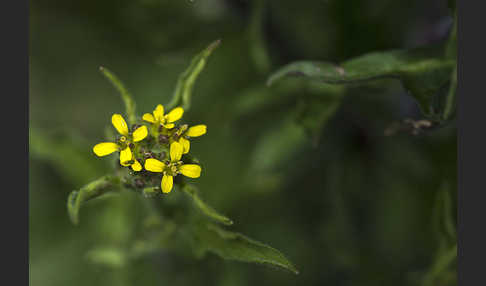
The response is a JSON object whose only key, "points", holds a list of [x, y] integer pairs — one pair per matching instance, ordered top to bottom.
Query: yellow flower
{"points": [[166, 120], [194, 131], [123, 143], [172, 168]]}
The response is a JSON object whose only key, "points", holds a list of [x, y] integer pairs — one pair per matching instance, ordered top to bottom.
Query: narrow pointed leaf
{"points": [[451, 47], [258, 49], [451, 52], [183, 91], [125, 95], [450, 103], [90, 191], [205, 208], [235, 246], [441, 265]]}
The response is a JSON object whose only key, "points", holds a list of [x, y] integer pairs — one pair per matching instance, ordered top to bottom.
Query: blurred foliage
{"points": [[302, 164]]}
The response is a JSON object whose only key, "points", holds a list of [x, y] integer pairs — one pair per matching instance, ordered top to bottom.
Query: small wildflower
{"points": [[165, 120], [194, 131], [123, 144], [172, 168]]}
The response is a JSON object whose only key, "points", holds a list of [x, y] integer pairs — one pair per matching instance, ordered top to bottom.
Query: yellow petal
{"points": [[159, 112], [174, 115], [148, 117], [120, 124], [169, 125], [197, 130], [140, 133], [186, 145], [105, 148], [175, 151], [125, 156], [154, 165], [136, 166], [190, 170], [166, 183]]}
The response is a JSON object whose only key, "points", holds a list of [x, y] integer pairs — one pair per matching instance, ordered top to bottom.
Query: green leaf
{"points": [[451, 46], [258, 49], [423, 72], [183, 91], [126, 96], [451, 96], [314, 112], [277, 146], [56, 147], [90, 191], [192, 192], [444, 215], [235, 246], [107, 256], [440, 266]]}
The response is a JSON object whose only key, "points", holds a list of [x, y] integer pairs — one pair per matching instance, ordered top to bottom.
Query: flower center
{"points": [[124, 142], [172, 169]]}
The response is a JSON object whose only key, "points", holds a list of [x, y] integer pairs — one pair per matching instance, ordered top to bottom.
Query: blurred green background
{"points": [[347, 204]]}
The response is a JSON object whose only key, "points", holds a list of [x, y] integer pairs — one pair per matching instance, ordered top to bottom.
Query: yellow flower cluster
{"points": [[165, 133]]}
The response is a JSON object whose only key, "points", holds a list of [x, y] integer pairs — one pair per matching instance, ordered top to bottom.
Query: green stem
{"points": [[126, 96], [451, 96], [90, 191], [440, 265]]}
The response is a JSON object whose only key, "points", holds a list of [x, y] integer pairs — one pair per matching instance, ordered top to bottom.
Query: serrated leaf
{"points": [[422, 72], [185, 82], [125, 95], [90, 191], [192, 192], [235, 246]]}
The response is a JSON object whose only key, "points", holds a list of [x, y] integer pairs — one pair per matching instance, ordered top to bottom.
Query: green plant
{"points": [[150, 159]]}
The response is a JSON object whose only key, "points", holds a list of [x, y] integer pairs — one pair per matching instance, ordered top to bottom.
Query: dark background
{"points": [[357, 208]]}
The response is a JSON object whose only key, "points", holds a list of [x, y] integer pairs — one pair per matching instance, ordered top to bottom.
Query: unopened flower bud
{"points": [[163, 139], [148, 154], [162, 156], [139, 183]]}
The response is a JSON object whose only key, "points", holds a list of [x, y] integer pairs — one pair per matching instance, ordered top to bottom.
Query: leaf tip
{"points": [[214, 45], [269, 81], [228, 221]]}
